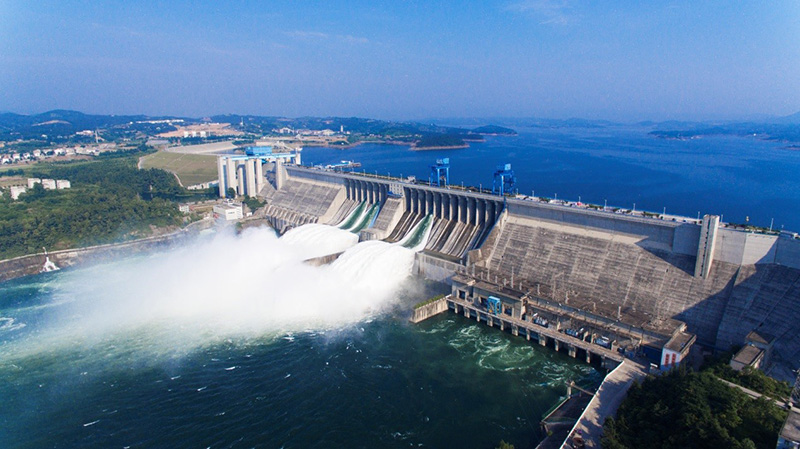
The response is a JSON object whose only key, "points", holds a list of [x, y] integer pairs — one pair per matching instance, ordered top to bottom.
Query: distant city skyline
{"points": [[404, 60]]}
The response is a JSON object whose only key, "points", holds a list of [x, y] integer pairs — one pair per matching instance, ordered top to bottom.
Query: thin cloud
{"points": [[549, 12], [299, 34], [316, 35]]}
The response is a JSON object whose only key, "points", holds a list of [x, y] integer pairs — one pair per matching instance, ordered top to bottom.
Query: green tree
{"points": [[682, 409], [504, 445]]}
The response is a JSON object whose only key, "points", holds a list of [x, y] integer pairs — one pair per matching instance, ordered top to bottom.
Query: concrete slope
{"points": [[610, 274]]}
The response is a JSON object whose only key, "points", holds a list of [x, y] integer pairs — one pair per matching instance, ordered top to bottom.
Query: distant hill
{"points": [[792, 119], [58, 122], [61, 126], [782, 132]]}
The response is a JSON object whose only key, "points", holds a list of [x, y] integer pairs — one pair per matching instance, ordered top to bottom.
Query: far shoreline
{"points": [[410, 146]]}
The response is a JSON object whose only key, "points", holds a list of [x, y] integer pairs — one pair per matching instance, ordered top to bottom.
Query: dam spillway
{"points": [[659, 277]]}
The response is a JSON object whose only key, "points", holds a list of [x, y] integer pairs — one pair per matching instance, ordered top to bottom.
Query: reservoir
{"points": [[737, 177]]}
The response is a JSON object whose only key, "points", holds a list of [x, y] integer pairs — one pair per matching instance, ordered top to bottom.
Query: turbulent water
{"points": [[233, 341]]}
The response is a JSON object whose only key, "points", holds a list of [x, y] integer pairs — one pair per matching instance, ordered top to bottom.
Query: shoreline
{"points": [[411, 146], [440, 147], [31, 264]]}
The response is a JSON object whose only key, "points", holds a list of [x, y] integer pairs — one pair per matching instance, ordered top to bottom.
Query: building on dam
{"points": [[245, 173], [629, 284]]}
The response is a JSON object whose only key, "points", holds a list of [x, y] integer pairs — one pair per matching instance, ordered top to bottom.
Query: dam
{"points": [[632, 284]]}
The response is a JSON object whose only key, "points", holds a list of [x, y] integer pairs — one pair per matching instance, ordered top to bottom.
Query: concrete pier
{"points": [[426, 311], [610, 358], [605, 402]]}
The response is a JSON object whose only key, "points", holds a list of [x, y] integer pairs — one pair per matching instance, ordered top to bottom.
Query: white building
{"points": [[32, 181], [49, 184], [63, 184], [16, 191], [228, 211], [677, 349]]}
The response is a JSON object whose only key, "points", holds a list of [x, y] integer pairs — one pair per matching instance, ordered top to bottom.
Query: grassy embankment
{"points": [[190, 168]]}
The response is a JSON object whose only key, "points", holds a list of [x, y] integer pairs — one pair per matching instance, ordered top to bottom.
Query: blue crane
{"points": [[440, 172], [504, 180]]}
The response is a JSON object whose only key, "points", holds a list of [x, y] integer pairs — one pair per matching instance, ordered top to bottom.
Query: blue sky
{"points": [[624, 60]]}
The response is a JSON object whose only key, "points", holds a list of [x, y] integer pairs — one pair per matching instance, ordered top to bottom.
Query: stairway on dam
{"points": [[298, 202], [390, 214], [610, 275]]}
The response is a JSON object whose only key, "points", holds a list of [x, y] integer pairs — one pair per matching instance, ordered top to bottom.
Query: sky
{"points": [[622, 60]]}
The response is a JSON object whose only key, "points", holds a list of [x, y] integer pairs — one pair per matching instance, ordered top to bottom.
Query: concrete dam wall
{"points": [[461, 220], [644, 272], [640, 278]]}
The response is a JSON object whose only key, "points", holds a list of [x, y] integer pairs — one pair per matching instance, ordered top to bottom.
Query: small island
{"points": [[494, 130], [440, 142]]}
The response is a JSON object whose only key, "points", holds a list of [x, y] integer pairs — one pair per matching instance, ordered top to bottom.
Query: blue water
{"points": [[737, 177], [379, 382]]}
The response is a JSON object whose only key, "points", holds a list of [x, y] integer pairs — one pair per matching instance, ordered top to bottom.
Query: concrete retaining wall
{"points": [[314, 175], [657, 231], [686, 239], [747, 248], [788, 252], [323, 260], [32, 264], [434, 268], [429, 310]]}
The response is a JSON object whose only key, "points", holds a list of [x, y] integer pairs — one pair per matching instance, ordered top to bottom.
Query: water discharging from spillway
{"points": [[354, 216], [366, 219], [417, 237], [315, 240], [226, 286], [188, 345]]}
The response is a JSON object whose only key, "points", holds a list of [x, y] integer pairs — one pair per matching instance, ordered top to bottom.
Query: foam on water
{"points": [[315, 240], [247, 286], [9, 324]]}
